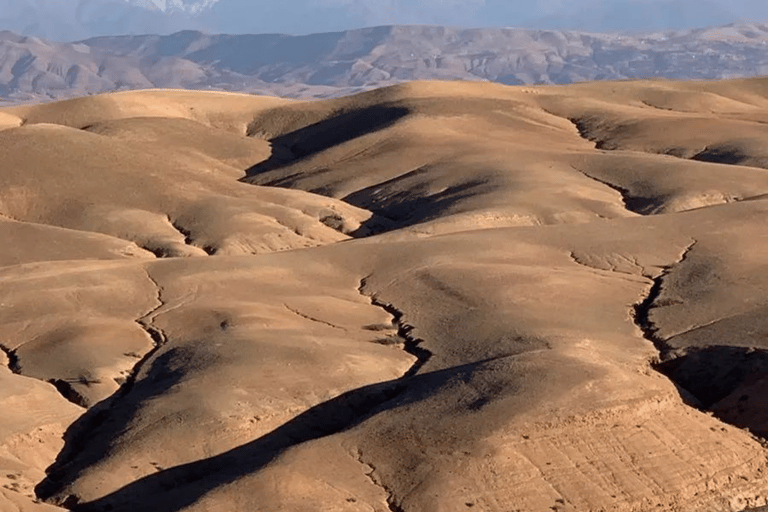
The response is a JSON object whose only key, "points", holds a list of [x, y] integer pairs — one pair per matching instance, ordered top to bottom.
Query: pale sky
{"points": [[323, 15], [72, 19]]}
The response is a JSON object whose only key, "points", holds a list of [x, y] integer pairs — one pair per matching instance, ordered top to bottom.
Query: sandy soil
{"points": [[430, 297]]}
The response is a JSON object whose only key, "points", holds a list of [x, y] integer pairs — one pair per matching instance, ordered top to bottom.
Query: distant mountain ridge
{"points": [[67, 20], [342, 62]]}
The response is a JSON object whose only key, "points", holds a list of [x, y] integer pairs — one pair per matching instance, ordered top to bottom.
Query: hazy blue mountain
{"points": [[341, 62]]}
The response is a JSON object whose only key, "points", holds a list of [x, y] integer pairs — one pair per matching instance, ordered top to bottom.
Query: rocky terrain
{"points": [[334, 64], [435, 296]]}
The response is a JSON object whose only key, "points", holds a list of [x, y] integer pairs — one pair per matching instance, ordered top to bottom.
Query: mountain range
{"points": [[338, 63]]}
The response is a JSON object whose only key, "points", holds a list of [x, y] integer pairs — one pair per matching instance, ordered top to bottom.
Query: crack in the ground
{"points": [[583, 131], [634, 204], [187, 234], [188, 239], [162, 249], [613, 268], [641, 311], [311, 318], [147, 320], [411, 344], [13, 359], [722, 380], [63, 386], [66, 387], [100, 413], [325, 419], [369, 472]]}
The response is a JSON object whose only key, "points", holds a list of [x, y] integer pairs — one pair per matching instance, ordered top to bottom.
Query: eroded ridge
{"points": [[634, 204], [641, 311], [156, 334], [411, 344], [13, 359], [726, 381], [64, 387], [370, 472]]}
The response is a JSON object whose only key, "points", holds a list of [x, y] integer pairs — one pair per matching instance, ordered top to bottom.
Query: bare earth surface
{"points": [[429, 297]]}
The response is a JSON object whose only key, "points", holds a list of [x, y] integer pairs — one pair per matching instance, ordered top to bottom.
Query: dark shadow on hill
{"points": [[324, 135], [724, 154], [719, 156], [632, 202], [397, 203], [408, 206], [730, 382], [92, 435], [176, 488]]}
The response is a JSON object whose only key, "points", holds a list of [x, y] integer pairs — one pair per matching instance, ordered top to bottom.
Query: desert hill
{"points": [[340, 63], [431, 296]]}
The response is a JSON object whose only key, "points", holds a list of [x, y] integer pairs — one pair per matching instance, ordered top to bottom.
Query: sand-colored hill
{"points": [[437, 296]]}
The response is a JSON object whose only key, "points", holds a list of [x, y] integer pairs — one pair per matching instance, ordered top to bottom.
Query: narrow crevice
{"points": [[582, 127], [634, 204], [187, 234], [188, 239], [158, 252], [641, 312], [311, 318], [146, 321], [158, 337], [411, 344], [13, 360], [726, 381], [65, 388], [101, 412], [325, 419], [392, 503]]}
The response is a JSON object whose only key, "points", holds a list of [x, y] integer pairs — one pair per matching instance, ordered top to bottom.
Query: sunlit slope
{"points": [[160, 170]]}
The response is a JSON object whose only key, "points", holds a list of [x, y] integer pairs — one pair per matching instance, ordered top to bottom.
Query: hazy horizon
{"points": [[63, 21]]}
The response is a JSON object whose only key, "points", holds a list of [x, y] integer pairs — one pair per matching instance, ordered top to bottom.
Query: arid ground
{"points": [[432, 297]]}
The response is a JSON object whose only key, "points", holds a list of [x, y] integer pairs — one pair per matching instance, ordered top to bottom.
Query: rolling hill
{"points": [[430, 296]]}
